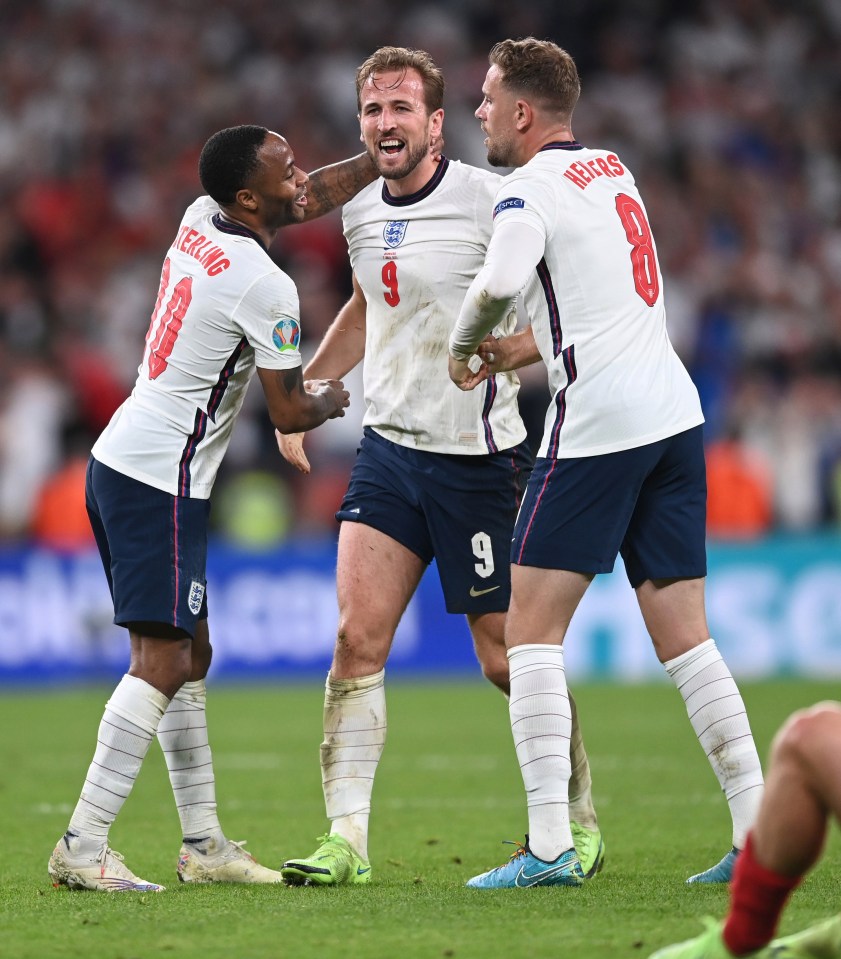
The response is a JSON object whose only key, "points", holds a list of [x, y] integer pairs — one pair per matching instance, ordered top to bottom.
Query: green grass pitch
{"points": [[447, 793]]}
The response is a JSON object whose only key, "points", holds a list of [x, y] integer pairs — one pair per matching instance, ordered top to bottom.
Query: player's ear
{"points": [[523, 115], [246, 198]]}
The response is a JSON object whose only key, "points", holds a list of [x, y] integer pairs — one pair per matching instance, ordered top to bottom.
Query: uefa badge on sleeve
{"points": [[286, 335], [196, 596]]}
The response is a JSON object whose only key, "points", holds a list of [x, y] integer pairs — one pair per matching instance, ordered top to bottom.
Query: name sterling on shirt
{"points": [[194, 244]]}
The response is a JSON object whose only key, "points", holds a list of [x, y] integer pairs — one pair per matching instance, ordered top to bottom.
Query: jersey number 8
{"points": [[643, 259]]}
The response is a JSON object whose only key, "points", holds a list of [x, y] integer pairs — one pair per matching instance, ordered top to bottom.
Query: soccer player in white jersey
{"points": [[223, 309], [621, 465], [439, 472]]}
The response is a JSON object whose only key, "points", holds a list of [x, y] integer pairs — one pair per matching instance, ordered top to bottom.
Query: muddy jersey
{"points": [[415, 257], [595, 302], [223, 309]]}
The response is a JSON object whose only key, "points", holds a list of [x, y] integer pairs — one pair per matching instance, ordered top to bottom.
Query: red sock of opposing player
{"points": [[757, 897]]}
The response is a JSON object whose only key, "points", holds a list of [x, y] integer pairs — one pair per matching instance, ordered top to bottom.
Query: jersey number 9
{"points": [[391, 295]]}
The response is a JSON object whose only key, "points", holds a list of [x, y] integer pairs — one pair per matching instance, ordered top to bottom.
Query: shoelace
{"points": [[327, 837], [108, 851], [519, 851], [103, 857]]}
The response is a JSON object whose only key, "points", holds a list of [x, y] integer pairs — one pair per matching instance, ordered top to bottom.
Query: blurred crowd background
{"points": [[727, 111]]}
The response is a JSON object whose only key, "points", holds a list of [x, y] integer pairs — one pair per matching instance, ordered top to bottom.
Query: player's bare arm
{"points": [[331, 186], [343, 345], [339, 352], [507, 353], [497, 355], [293, 408]]}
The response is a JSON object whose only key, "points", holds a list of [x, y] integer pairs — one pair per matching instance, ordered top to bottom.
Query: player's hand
{"points": [[493, 352], [463, 377], [333, 391], [291, 446]]}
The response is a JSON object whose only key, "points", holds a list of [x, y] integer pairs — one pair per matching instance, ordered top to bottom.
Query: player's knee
{"points": [[360, 646], [497, 673], [809, 735]]}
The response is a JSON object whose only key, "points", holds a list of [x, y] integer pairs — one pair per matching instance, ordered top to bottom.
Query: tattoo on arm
{"points": [[333, 185], [292, 380]]}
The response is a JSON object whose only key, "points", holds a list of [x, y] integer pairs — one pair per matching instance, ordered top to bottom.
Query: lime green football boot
{"points": [[590, 848], [334, 863], [822, 941], [709, 945]]}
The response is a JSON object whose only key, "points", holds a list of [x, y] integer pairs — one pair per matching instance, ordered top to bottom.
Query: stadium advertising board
{"points": [[774, 608]]}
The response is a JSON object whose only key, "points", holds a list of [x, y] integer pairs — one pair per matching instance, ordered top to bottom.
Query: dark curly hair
{"points": [[229, 159]]}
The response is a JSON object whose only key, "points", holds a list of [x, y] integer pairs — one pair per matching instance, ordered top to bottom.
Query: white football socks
{"points": [[718, 716], [541, 722], [128, 726], [182, 734], [354, 738]]}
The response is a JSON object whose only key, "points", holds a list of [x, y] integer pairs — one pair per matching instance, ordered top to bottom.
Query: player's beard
{"points": [[501, 151], [410, 158]]}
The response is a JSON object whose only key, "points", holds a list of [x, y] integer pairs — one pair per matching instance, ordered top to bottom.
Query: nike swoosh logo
{"points": [[481, 592], [361, 872], [535, 877]]}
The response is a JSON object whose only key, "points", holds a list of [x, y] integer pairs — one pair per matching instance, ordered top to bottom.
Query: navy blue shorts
{"points": [[648, 503], [457, 509], [153, 547]]}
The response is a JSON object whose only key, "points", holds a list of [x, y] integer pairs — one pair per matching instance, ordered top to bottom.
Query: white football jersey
{"points": [[415, 257], [596, 305], [223, 309]]}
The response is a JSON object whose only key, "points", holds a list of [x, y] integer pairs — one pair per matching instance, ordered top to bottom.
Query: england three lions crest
{"points": [[394, 232], [196, 597]]}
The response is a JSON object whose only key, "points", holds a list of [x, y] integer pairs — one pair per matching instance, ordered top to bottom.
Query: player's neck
{"points": [[543, 137], [416, 180], [266, 236]]}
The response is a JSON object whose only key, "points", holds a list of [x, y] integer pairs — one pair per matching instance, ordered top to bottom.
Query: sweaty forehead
{"points": [[391, 85]]}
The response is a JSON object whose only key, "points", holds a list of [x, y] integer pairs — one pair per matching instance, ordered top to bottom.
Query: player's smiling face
{"points": [[397, 128], [279, 185]]}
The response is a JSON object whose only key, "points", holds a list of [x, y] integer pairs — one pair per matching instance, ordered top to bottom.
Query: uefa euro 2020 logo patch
{"points": [[394, 231], [287, 335], [195, 598]]}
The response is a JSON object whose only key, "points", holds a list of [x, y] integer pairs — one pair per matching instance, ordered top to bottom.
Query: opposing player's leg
{"points": [[376, 578], [542, 604], [803, 790]]}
